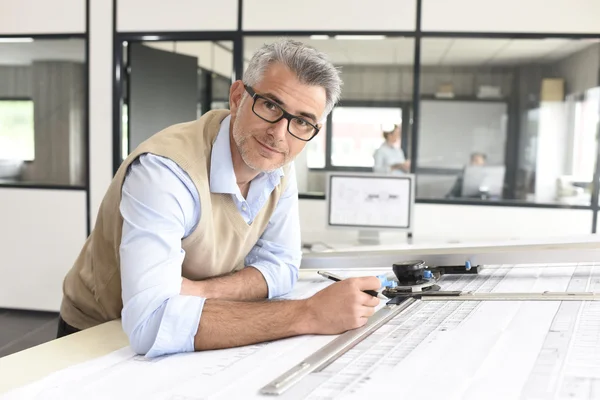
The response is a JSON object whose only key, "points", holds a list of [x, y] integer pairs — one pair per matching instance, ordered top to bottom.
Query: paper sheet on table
{"points": [[449, 350], [123, 374]]}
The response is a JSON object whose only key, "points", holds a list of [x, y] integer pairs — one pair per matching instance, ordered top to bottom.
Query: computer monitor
{"points": [[483, 181], [370, 203]]}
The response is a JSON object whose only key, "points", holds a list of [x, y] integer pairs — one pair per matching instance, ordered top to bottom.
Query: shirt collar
{"points": [[222, 177]]}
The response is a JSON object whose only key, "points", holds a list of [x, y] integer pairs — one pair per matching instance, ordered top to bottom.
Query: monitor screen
{"points": [[484, 179], [370, 201]]}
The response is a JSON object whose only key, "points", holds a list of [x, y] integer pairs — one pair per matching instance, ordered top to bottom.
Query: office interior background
{"points": [[82, 83]]}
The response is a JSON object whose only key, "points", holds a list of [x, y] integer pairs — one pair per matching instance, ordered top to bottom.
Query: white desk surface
{"points": [[37, 362]]}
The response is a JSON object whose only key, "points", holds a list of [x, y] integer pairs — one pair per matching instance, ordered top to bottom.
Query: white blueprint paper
{"points": [[449, 350]]}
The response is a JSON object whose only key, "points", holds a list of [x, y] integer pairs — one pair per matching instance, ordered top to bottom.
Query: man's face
{"points": [[396, 135], [265, 146]]}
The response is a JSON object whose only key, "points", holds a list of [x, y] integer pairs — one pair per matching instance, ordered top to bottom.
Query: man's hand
{"points": [[342, 306]]}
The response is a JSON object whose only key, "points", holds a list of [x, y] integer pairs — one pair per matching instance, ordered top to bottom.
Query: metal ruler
{"points": [[443, 295], [346, 341], [335, 349]]}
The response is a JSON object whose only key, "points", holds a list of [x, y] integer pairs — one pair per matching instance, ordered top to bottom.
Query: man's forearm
{"points": [[247, 284], [341, 306], [227, 324]]}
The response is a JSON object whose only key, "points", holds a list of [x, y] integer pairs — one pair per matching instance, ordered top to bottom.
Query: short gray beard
{"points": [[240, 141]]}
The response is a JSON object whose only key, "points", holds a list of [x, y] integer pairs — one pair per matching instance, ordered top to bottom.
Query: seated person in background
{"points": [[389, 157], [477, 159], [201, 222]]}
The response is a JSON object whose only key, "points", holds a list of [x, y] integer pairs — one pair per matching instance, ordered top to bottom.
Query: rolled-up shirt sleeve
{"points": [[159, 208], [277, 254]]}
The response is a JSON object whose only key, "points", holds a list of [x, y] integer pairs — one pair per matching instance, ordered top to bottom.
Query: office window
{"points": [[43, 112], [508, 120], [16, 130], [358, 133]]}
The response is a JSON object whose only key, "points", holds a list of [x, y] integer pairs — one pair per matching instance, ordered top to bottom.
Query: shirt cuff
{"points": [[277, 276], [178, 326]]}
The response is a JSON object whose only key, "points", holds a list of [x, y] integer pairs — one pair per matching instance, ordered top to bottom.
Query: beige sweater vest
{"points": [[218, 245]]}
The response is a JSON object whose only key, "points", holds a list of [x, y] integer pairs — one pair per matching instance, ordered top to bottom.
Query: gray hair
{"points": [[310, 65]]}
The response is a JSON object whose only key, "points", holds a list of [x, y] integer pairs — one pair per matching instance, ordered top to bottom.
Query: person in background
{"points": [[389, 157], [477, 159]]}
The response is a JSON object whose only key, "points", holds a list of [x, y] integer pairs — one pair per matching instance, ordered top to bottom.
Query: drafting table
{"points": [[450, 350]]}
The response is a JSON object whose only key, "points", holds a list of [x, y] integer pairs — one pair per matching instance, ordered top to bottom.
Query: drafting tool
{"points": [[337, 278], [416, 281]]}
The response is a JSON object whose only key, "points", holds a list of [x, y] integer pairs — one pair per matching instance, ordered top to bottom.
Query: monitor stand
{"points": [[368, 237]]}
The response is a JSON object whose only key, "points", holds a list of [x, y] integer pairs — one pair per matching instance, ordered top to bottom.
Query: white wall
{"points": [[176, 15], [350, 15], [551, 16], [41, 17], [444, 223], [42, 232]]}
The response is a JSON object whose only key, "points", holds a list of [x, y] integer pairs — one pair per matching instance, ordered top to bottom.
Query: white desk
{"points": [[37, 362]]}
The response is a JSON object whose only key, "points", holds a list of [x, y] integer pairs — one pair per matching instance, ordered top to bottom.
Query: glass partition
{"points": [[168, 82], [511, 120], [43, 132]]}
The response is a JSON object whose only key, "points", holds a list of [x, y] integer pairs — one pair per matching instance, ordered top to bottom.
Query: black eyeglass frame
{"points": [[284, 114]]}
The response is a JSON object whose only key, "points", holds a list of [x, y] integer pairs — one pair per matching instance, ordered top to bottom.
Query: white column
{"points": [[100, 92]]}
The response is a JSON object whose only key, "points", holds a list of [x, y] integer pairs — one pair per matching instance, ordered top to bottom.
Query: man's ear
{"points": [[236, 93]]}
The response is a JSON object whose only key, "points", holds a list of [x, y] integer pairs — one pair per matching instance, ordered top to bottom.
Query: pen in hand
{"points": [[337, 278]]}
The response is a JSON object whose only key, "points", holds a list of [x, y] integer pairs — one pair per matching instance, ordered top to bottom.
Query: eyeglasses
{"points": [[267, 110]]}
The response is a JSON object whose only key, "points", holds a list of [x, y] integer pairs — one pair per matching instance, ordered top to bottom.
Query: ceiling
{"points": [[42, 49], [388, 51], [438, 51]]}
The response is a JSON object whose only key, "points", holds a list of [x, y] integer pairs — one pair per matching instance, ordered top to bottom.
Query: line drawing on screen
{"points": [[370, 201]]}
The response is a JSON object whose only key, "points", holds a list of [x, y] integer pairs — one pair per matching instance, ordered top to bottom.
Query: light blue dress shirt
{"points": [[386, 156], [160, 206]]}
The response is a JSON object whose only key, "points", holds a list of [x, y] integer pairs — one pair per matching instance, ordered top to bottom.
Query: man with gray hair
{"points": [[201, 222]]}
